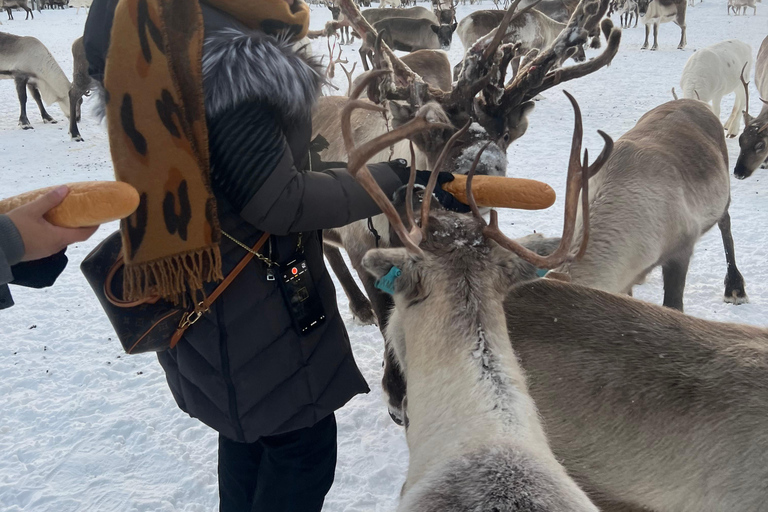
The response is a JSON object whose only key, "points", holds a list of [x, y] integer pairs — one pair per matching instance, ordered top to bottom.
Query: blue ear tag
{"points": [[541, 272], [387, 282]]}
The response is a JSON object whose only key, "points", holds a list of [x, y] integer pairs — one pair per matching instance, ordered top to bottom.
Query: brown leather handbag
{"points": [[151, 324]]}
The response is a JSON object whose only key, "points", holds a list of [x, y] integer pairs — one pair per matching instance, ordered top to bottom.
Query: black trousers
{"points": [[286, 473]]}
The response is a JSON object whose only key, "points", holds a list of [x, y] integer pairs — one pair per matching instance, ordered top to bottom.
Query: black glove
{"points": [[446, 199], [39, 273]]}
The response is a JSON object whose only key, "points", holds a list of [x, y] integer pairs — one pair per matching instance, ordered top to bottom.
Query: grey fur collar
{"points": [[240, 66]]}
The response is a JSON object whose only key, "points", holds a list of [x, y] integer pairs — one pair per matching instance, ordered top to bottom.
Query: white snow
{"points": [[85, 428]]}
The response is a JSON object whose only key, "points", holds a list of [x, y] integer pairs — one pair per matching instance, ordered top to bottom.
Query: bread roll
{"points": [[502, 192], [88, 203]]}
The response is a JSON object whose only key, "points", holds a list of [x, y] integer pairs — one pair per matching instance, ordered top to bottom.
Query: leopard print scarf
{"points": [[159, 140]]}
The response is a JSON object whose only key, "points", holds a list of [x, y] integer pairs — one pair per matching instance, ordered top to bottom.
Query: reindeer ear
{"points": [[453, 26], [435, 28], [379, 262]]}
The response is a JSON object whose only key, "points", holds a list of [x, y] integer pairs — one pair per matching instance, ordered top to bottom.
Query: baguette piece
{"points": [[503, 192], [88, 203]]}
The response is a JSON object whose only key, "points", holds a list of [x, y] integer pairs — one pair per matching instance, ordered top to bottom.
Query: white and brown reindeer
{"points": [[656, 12], [29, 63], [716, 71], [499, 113], [754, 139], [664, 186], [648, 410], [474, 435]]}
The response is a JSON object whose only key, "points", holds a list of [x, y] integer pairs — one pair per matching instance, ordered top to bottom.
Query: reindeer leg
{"points": [[647, 33], [655, 37], [683, 40], [363, 55], [21, 90], [39, 100], [74, 102], [734, 121], [674, 273], [734, 282], [359, 304]]}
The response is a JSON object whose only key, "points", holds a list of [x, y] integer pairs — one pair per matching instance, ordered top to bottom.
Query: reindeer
{"points": [[389, 3], [9, 5], [742, 5], [628, 9], [445, 11], [663, 11], [374, 15], [341, 21], [534, 31], [408, 35], [29, 63], [717, 71], [82, 85], [499, 112], [754, 139], [664, 186], [474, 435]]}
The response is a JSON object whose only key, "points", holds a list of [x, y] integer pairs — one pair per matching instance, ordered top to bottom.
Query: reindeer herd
{"points": [[522, 393]]}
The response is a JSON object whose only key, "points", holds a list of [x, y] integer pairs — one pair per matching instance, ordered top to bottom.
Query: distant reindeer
{"points": [[389, 3], [10, 5], [742, 5], [628, 9], [663, 11], [375, 15], [339, 17], [533, 30], [408, 35], [31, 65], [716, 71], [82, 85], [754, 140], [664, 186], [475, 439]]}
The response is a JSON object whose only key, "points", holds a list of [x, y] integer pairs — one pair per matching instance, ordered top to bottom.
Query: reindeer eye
{"points": [[506, 137], [759, 146]]}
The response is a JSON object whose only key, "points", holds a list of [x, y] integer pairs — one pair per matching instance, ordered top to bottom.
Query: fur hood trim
{"points": [[241, 65]]}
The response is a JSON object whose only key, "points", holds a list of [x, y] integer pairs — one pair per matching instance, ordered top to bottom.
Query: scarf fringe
{"points": [[174, 277]]}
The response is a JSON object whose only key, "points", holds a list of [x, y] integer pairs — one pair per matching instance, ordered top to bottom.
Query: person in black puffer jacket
{"points": [[244, 369]]}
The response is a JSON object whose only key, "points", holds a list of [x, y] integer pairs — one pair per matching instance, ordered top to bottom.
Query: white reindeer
{"points": [[31, 65], [716, 71], [474, 435]]}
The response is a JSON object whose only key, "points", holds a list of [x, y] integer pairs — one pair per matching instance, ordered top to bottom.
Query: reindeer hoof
{"points": [[27, 127], [77, 139], [735, 299], [361, 317], [396, 417]]}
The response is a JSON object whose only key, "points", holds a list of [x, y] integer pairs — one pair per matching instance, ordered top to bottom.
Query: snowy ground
{"points": [[85, 428]]}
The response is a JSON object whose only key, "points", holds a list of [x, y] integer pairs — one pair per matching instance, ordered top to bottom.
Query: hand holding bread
{"points": [[503, 192], [52, 218]]}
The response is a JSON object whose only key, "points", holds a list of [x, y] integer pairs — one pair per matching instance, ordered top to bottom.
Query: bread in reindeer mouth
{"points": [[503, 192], [88, 203]]}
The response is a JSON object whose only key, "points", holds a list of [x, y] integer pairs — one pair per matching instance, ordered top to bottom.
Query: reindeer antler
{"points": [[331, 69], [538, 75], [746, 94], [359, 156], [577, 183]]}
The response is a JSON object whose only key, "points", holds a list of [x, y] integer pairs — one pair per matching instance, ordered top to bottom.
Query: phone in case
{"points": [[301, 296]]}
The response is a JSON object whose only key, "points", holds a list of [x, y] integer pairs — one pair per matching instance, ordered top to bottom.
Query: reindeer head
{"points": [[335, 10], [444, 33], [753, 140]]}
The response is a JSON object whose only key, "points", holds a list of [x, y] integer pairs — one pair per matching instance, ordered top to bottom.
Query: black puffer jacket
{"points": [[243, 368]]}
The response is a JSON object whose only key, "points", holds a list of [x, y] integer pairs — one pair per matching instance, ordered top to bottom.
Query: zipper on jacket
{"points": [[225, 370]]}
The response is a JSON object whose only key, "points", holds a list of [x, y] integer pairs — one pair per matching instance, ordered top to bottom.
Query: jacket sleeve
{"points": [[252, 165], [11, 252]]}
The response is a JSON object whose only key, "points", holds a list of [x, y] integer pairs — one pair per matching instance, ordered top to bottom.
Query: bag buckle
{"points": [[189, 319]]}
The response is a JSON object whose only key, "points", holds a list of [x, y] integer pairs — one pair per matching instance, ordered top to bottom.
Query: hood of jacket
{"points": [[242, 65]]}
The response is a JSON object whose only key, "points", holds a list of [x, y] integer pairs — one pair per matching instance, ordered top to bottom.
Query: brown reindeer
{"points": [[663, 11], [82, 84]]}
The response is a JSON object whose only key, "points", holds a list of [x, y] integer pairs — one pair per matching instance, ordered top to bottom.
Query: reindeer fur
{"points": [[754, 139]]}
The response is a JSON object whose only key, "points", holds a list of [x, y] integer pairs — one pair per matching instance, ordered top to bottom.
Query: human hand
{"points": [[446, 198], [41, 238]]}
